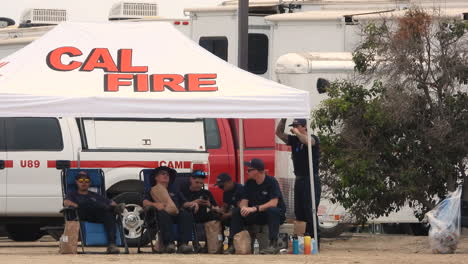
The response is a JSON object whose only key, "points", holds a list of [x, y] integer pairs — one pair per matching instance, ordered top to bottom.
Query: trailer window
{"points": [[216, 45], [258, 53], [33, 134], [212, 134]]}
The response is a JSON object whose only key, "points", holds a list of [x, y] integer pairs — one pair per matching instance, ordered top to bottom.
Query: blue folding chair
{"points": [[150, 219], [91, 234]]}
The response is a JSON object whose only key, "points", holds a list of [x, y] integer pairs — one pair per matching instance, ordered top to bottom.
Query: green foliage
{"points": [[404, 136]]}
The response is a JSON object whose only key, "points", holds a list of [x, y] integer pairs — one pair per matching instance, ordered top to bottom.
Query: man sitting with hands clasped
{"points": [[262, 203]]}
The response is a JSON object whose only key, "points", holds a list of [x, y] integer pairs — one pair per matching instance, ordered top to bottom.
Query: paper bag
{"points": [[160, 194], [299, 228], [214, 238], [69, 240], [242, 243]]}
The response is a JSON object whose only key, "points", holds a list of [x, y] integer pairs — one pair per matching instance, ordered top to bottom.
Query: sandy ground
{"points": [[349, 248]]}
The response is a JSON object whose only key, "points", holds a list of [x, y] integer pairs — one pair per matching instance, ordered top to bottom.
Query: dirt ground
{"points": [[349, 248]]}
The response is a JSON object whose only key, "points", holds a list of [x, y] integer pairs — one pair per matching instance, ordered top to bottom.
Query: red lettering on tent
{"points": [[99, 58], [54, 59], [124, 62], [112, 82], [159, 82], [197, 82], [140, 83], [162, 163], [170, 164]]}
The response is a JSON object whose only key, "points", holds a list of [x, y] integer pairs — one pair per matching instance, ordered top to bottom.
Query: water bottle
{"points": [[300, 240], [307, 240], [295, 245], [256, 247], [314, 247]]}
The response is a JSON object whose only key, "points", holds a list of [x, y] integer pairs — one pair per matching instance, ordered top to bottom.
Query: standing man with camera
{"points": [[299, 147]]}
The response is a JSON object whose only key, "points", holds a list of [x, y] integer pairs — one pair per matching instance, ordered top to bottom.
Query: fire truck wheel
{"points": [[132, 218], [26, 232]]}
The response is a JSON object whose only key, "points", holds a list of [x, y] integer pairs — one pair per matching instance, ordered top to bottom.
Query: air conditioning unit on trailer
{"points": [[133, 10], [42, 17]]}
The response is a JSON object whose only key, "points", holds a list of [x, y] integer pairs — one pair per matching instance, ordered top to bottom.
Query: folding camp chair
{"points": [[150, 220], [91, 234]]}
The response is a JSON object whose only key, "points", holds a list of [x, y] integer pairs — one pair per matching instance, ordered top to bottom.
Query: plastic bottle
{"points": [[300, 240], [307, 244], [290, 245], [295, 245], [256, 247], [314, 247]]}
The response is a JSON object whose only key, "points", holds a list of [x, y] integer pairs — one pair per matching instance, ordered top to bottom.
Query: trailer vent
{"points": [[133, 10], [42, 17]]}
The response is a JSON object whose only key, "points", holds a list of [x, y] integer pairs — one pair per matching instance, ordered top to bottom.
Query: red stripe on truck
{"points": [[282, 147], [8, 164], [124, 164]]}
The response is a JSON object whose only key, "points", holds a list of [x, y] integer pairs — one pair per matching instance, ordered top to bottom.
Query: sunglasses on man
{"points": [[84, 180]]}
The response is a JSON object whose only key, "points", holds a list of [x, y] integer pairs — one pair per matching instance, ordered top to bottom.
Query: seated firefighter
{"points": [[232, 195], [166, 200], [262, 204], [92, 207], [204, 208]]}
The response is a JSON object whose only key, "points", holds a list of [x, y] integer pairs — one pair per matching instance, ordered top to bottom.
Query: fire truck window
{"points": [[216, 45], [258, 53], [33, 134], [212, 134]]}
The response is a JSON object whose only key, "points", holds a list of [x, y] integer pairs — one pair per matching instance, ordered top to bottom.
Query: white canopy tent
{"points": [[144, 70], [42, 80]]}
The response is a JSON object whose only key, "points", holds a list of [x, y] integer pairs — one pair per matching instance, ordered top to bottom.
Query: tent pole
{"points": [[241, 150], [311, 173]]}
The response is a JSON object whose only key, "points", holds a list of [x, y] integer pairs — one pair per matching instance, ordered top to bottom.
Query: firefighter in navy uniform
{"points": [[300, 157], [232, 195], [200, 201], [262, 204]]}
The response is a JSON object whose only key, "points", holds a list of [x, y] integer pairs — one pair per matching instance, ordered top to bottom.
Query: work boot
{"points": [[196, 247], [170, 248], [272, 248], [112, 249], [159, 249], [185, 249], [230, 250]]}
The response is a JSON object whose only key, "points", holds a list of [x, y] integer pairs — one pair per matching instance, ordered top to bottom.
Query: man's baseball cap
{"points": [[299, 122], [256, 164], [82, 174], [198, 174], [222, 179]]}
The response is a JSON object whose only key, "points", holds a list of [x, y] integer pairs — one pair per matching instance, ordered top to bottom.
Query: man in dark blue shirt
{"points": [[300, 157], [165, 176], [232, 195], [198, 199], [262, 203], [93, 207]]}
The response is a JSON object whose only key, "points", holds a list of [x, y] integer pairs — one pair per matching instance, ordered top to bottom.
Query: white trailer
{"points": [[280, 27]]}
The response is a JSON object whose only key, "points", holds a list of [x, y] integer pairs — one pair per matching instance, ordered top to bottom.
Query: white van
{"points": [[30, 186]]}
